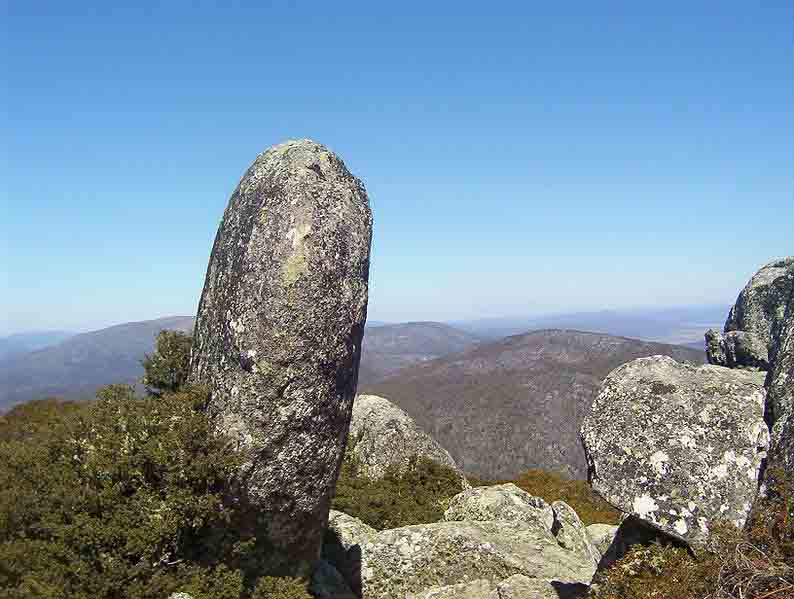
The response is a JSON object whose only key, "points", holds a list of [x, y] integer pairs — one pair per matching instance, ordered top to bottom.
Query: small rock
{"points": [[736, 349], [500, 502], [571, 532], [601, 536], [342, 546]]}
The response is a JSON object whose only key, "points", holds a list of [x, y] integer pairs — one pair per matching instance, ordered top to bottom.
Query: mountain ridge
{"points": [[517, 403]]}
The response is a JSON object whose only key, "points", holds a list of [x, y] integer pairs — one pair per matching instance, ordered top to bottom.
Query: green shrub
{"points": [[166, 370], [553, 487], [418, 495], [125, 498], [280, 588]]}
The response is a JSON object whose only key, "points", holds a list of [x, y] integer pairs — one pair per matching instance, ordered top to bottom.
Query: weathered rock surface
{"points": [[760, 307], [278, 334], [736, 349], [780, 408], [383, 436], [676, 445], [506, 502], [571, 533], [601, 536], [342, 546], [415, 558], [522, 587], [476, 589]]}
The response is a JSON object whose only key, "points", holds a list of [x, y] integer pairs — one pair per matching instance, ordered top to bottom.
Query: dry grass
{"points": [[755, 563]]}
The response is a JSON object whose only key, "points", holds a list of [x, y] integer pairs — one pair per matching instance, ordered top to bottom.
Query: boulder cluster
{"points": [[494, 542]]}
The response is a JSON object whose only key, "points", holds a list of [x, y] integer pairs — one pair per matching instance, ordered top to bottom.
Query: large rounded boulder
{"points": [[278, 335], [383, 437], [678, 446]]}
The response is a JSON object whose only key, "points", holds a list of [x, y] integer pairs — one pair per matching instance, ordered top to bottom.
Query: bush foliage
{"points": [[166, 370], [419, 494], [125, 498], [755, 563]]}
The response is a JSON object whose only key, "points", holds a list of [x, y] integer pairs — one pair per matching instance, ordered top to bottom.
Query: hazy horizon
{"points": [[520, 161], [719, 309]]}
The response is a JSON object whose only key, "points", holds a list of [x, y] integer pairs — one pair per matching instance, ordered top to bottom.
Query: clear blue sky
{"points": [[519, 159]]}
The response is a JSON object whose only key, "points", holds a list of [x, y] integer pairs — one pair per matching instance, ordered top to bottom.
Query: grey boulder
{"points": [[760, 307], [278, 335], [382, 436], [678, 446], [500, 502]]}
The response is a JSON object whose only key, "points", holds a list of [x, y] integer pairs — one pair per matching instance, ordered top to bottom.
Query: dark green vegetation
{"points": [[166, 370], [504, 407], [553, 487], [418, 495], [125, 497], [128, 497], [757, 563]]}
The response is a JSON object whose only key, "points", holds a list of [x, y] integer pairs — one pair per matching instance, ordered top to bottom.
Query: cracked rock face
{"points": [[278, 334], [736, 349], [780, 407], [382, 436], [678, 446], [461, 558]]}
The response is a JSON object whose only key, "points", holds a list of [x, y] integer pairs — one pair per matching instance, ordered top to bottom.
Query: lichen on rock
{"points": [[278, 335], [678, 446]]}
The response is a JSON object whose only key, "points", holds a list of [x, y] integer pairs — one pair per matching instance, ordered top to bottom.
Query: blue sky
{"points": [[519, 160]]}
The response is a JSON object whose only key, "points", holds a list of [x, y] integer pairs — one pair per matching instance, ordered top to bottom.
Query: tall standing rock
{"points": [[278, 335]]}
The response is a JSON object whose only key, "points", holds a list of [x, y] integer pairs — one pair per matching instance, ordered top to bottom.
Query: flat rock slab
{"points": [[676, 445]]}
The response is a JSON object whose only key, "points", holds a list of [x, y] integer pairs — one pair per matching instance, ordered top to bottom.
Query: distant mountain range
{"points": [[679, 326], [23, 343], [388, 348], [77, 366], [517, 403]]}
